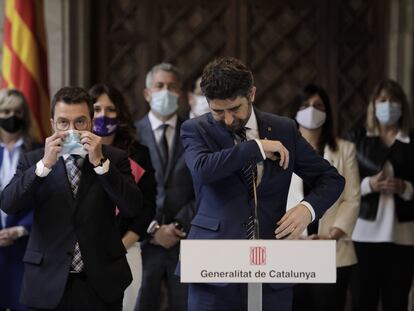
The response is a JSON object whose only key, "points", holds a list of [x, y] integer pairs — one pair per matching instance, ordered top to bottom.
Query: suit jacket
{"points": [[175, 194], [223, 204], [344, 212], [60, 220], [11, 265]]}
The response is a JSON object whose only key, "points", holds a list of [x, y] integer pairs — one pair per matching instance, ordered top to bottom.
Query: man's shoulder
{"points": [[273, 118], [140, 123]]}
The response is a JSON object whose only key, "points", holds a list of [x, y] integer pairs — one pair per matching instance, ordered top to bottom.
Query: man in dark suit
{"points": [[159, 130], [238, 155], [75, 259]]}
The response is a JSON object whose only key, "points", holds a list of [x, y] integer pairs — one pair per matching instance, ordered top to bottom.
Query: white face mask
{"points": [[164, 103], [200, 106], [387, 113], [310, 118]]}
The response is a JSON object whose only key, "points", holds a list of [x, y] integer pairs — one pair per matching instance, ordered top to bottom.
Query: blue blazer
{"points": [[222, 201]]}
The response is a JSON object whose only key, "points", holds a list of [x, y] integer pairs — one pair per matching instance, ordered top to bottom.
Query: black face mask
{"points": [[11, 124]]}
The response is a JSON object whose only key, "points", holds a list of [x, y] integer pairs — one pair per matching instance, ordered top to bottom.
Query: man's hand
{"points": [[53, 145], [93, 145], [270, 148], [293, 223], [9, 235], [167, 236]]}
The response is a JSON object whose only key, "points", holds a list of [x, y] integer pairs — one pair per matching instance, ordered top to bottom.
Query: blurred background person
{"points": [[197, 101], [313, 113], [112, 121], [159, 130], [15, 139], [384, 232]]}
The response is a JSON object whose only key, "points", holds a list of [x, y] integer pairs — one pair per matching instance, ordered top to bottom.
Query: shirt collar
{"points": [[252, 122], [156, 123], [403, 138], [17, 144]]}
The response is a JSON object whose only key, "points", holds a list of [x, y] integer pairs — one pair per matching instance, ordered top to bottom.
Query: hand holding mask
{"points": [[72, 144]]}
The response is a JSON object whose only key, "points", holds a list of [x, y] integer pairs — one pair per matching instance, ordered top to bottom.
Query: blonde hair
{"points": [[396, 93]]}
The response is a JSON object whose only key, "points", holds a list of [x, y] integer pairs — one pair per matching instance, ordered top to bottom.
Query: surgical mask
{"points": [[164, 102], [200, 106], [387, 112], [311, 118], [11, 124], [104, 126], [72, 144]]}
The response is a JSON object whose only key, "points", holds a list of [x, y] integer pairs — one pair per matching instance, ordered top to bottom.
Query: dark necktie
{"points": [[163, 147], [74, 173], [250, 176]]}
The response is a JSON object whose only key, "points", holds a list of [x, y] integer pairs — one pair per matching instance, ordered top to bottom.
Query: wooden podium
{"points": [[258, 261]]}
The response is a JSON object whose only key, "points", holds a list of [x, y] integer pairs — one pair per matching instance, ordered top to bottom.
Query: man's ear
{"points": [[253, 94], [147, 95], [52, 123]]}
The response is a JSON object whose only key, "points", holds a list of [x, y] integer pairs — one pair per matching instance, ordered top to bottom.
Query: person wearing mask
{"points": [[198, 102], [313, 113], [112, 121], [159, 130], [15, 139], [241, 160], [384, 232], [75, 259]]}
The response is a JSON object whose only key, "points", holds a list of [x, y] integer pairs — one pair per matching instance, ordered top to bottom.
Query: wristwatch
{"points": [[153, 227]]}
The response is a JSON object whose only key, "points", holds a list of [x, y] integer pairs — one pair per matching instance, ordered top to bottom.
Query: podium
{"points": [[258, 261]]}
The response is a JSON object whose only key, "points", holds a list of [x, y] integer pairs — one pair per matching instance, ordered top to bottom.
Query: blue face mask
{"points": [[164, 103], [387, 113], [104, 126], [72, 144]]}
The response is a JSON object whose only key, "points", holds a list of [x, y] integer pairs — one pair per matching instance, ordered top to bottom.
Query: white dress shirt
{"points": [[156, 126]]}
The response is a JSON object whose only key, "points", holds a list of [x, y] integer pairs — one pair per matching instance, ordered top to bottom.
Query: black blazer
{"points": [[372, 154], [148, 186], [175, 194], [60, 220]]}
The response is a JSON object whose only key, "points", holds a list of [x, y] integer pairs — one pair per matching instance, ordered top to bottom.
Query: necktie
{"points": [[163, 147], [74, 174], [250, 175]]}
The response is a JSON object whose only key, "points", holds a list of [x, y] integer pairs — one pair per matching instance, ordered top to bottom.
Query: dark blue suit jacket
{"points": [[215, 162], [60, 220]]}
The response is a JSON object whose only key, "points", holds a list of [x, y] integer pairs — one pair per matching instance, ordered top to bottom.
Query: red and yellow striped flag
{"points": [[25, 58]]}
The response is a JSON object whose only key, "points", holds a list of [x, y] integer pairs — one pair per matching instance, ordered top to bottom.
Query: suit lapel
{"points": [[147, 137], [87, 178], [61, 179]]}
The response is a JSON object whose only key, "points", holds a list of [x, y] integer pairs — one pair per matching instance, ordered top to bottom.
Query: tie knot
{"points": [[164, 127], [242, 134], [74, 159]]}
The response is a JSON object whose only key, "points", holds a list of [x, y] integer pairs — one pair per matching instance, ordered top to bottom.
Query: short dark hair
{"points": [[226, 78], [71, 95], [125, 132], [328, 136]]}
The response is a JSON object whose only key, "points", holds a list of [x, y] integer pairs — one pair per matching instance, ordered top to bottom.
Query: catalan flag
{"points": [[24, 64]]}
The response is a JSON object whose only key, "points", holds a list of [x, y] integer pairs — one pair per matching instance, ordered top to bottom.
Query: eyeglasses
{"points": [[64, 124]]}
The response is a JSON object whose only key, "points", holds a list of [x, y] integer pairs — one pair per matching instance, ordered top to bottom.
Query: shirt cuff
{"points": [[261, 148], [41, 169], [102, 169], [365, 186], [408, 193], [310, 208], [21, 231]]}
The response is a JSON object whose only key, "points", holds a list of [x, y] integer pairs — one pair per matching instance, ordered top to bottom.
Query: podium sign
{"points": [[258, 261]]}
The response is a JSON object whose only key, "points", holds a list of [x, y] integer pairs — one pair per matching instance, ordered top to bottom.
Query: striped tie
{"points": [[74, 173], [250, 176]]}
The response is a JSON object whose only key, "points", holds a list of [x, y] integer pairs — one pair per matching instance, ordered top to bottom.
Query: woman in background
{"points": [[313, 114], [113, 122], [15, 139], [384, 232]]}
